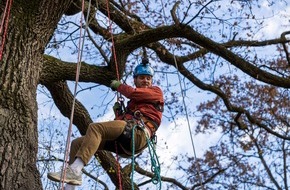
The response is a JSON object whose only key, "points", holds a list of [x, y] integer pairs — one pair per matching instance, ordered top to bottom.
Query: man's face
{"points": [[143, 81]]}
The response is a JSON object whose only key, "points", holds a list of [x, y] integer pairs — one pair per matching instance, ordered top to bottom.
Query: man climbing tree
{"points": [[230, 52], [143, 115]]}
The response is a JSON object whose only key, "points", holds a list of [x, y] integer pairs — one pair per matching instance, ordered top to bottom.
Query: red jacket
{"points": [[145, 100]]}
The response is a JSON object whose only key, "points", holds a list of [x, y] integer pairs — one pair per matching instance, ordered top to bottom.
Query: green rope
{"points": [[133, 157], [155, 165]]}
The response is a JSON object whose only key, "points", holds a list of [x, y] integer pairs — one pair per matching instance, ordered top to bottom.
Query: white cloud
{"points": [[277, 19], [174, 140]]}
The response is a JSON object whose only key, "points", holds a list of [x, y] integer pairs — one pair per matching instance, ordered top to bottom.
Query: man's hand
{"points": [[115, 84], [117, 106], [117, 109]]}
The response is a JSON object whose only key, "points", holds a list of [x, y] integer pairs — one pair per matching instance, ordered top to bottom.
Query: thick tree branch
{"points": [[141, 31], [219, 49], [56, 70]]}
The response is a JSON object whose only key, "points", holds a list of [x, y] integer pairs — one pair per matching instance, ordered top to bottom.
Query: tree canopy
{"points": [[221, 64]]}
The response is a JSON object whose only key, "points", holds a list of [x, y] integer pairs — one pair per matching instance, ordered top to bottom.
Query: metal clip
{"points": [[121, 99], [138, 115], [154, 139]]}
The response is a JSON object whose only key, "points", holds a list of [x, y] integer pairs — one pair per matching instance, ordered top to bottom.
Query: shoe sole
{"points": [[71, 182]]}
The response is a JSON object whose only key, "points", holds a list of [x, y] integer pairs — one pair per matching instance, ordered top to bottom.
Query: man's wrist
{"points": [[115, 84]]}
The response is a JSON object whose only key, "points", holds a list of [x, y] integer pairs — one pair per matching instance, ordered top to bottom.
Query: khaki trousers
{"points": [[102, 136]]}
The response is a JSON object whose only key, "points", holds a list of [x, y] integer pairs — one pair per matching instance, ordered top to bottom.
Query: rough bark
{"points": [[31, 24]]}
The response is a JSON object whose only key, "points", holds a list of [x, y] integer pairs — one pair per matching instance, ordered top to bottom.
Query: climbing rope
{"points": [[4, 25], [113, 42], [80, 51], [118, 78], [188, 123], [133, 157], [155, 165]]}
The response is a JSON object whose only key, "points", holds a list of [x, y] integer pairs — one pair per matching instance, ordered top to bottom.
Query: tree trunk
{"points": [[30, 27], [18, 111]]}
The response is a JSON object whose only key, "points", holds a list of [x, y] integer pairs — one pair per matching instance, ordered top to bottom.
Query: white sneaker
{"points": [[70, 177]]}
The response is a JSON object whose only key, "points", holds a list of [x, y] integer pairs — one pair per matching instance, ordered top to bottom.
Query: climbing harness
{"points": [[4, 25], [80, 51], [128, 137]]}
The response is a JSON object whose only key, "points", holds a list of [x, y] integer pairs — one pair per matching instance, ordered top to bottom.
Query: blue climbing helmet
{"points": [[143, 68]]}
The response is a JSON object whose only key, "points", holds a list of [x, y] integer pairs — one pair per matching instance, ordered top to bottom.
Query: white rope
{"points": [[80, 53], [188, 123]]}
